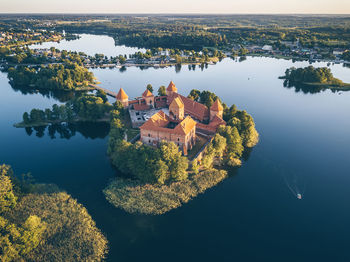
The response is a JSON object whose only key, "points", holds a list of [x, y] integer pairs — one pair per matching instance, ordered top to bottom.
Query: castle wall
{"points": [[149, 100], [152, 137]]}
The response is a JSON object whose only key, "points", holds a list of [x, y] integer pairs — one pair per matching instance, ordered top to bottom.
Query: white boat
{"points": [[299, 196]]}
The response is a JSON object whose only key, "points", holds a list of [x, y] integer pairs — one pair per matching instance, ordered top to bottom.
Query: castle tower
{"points": [[171, 89], [149, 97], [123, 98], [177, 109], [216, 110]]}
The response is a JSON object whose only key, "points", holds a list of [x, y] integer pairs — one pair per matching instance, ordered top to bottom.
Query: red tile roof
{"points": [[171, 87], [147, 93], [121, 94], [178, 102], [216, 106], [192, 108], [159, 122], [216, 122], [213, 125], [185, 126]]}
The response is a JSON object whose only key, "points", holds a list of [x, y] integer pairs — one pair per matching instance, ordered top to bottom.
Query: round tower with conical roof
{"points": [[171, 89], [123, 97]]}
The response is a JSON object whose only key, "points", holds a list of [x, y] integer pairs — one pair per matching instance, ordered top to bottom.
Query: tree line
{"points": [[67, 76], [84, 107], [229, 142]]}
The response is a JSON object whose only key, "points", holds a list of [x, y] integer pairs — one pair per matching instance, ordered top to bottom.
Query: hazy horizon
{"points": [[239, 7], [164, 13]]}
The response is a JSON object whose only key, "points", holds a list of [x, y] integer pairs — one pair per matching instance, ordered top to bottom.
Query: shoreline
{"points": [[52, 122], [154, 199]]}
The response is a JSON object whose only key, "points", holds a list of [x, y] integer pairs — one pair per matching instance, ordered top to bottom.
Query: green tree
{"points": [[150, 88], [162, 91], [102, 95], [194, 95], [207, 98], [37, 115], [26, 118], [249, 134], [233, 140], [219, 144], [173, 158], [208, 158], [195, 167], [161, 172], [7, 196]]}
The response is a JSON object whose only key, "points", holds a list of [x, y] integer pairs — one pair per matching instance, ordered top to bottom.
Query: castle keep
{"points": [[173, 118]]}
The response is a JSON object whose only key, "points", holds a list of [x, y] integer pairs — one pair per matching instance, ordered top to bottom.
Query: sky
{"points": [[177, 6]]}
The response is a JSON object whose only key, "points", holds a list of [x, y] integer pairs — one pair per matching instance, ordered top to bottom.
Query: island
{"points": [[66, 77], [313, 79], [82, 108], [168, 147], [184, 147]]}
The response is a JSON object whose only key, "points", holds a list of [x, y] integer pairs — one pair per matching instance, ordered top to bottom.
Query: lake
{"points": [[91, 45], [253, 215]]}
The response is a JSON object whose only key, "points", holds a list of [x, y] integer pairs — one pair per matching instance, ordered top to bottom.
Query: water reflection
{"points": [[242, 58], [178, 68], [122, 69], [306, 89], [60, 95], [90, 130], [246, 153]]}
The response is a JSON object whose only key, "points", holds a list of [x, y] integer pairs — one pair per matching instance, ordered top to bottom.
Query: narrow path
{"points": [[108, 92]]}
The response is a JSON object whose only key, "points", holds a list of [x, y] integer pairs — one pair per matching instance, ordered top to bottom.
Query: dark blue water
{"points": [[252, 216]]}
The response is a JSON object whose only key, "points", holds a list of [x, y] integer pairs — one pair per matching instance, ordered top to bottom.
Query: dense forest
{"points": [[198, 31], [67, 76]]}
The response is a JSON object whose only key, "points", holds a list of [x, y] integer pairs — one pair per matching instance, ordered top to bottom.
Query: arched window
{"points": [[149, 135], [178, 139], [149, 141]]}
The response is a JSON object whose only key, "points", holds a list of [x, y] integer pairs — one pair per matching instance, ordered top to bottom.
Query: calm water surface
{"points": [[91, 45], [252, 216]]}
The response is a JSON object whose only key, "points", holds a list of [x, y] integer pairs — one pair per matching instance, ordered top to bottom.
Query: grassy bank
{"points": [[330, 85], [155, 199], [38, 222], [70, 234]]}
